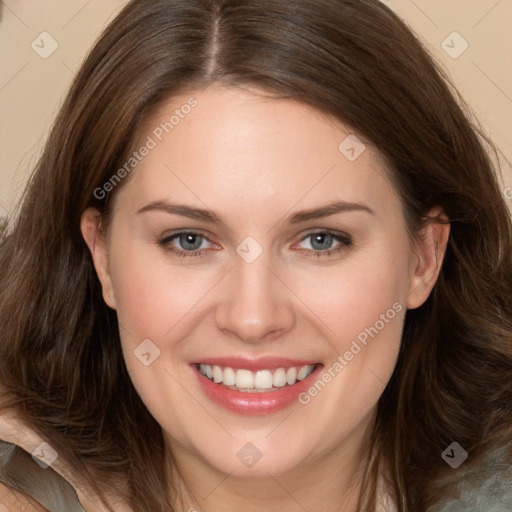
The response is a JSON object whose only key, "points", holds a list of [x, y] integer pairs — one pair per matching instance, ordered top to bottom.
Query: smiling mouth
{"points": [[260, 381]]}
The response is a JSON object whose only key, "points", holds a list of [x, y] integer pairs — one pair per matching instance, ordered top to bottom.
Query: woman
{"points": [[263, 263]]}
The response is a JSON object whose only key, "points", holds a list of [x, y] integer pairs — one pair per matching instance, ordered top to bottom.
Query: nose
{"points": [[256, 305]]}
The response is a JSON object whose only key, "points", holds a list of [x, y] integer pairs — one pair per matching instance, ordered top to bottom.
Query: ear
{"points": [[91, 228], [429, 251]]}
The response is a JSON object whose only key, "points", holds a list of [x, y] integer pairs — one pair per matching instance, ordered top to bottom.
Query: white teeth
{"points": [[302, 373], [217, 374], [291, 375], [229, 378], [279, 378], [244, 379], [263, 379], [260, 380]]}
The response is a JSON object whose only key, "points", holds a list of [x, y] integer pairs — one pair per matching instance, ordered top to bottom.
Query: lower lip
{"points": [[252, 404]]}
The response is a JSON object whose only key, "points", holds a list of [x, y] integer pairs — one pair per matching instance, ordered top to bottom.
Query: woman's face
{"points": [[293, 258]]}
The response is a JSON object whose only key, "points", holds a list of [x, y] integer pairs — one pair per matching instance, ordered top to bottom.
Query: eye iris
{"points": [[323, 239], [189, 241]]}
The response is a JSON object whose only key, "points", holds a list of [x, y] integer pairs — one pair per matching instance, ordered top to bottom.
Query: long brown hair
{"points": [[61, 365]]}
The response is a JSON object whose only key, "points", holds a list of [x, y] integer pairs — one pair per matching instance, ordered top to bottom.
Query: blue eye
{"points": [[190, 241], [321, 243], [191, 244]]}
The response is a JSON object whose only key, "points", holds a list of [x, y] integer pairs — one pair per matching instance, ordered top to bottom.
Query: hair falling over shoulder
{"points": [[61, 365]]}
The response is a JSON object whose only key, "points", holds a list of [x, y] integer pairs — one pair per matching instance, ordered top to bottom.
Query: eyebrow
{"points": [[211, 217]]}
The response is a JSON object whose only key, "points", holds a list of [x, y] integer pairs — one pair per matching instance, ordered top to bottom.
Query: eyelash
{"points": [[345, 242]]}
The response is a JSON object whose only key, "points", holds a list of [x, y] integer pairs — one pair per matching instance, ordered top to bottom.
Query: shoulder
{"points": [[37, 484], [487, 489], [13, 501]]}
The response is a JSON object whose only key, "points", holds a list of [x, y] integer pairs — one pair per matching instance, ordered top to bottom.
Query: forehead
{"points": [[227, 145]]}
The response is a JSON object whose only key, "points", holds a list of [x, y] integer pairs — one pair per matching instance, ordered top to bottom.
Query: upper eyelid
{"points": [[335, 233]]}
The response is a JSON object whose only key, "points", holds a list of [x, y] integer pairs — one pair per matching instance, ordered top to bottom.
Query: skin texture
{"points": [[255, 161]]}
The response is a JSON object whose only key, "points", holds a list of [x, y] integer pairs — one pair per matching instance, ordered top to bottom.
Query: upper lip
{"points": [[255, 364]]}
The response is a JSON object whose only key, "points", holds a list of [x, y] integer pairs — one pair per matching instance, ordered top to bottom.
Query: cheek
{"points": [[153, 295], [355, 296], [154, 299], [158, 301], [360, 309], [362, 313]]}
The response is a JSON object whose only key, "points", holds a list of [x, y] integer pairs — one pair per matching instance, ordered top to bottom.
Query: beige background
{"points": [[32, 87]]}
